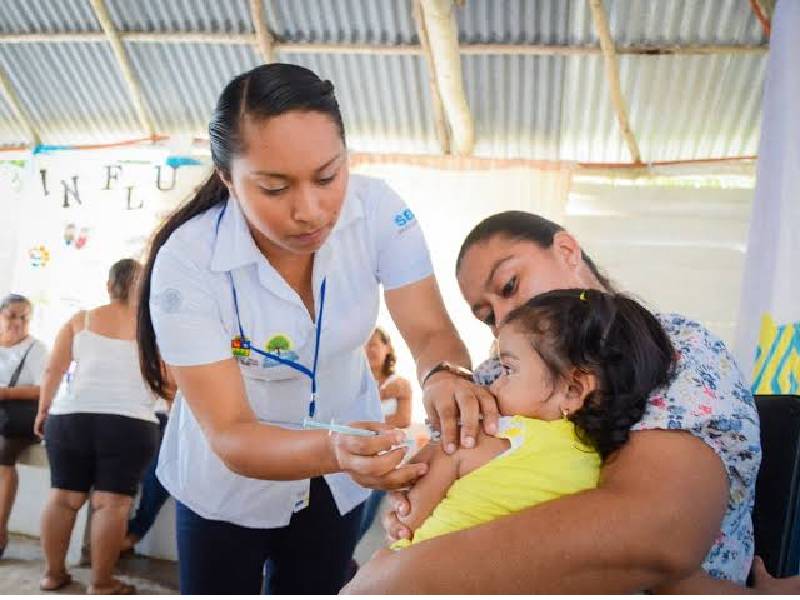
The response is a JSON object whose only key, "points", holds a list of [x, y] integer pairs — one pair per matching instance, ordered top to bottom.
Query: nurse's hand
{"points": [[451, 401], [359, 457]]}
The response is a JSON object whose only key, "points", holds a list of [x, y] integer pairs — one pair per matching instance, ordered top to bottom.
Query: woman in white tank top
{"points": [[395, 391], [395, 394], [100, 431]]}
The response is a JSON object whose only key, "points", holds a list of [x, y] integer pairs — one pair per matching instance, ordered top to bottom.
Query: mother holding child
{"points": [[627, 450]]}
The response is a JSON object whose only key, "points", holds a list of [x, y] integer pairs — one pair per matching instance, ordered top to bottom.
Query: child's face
{"points": [[526, 387]]}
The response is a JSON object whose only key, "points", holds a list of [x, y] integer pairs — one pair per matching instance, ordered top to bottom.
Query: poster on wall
{"points": [[80, 212]]}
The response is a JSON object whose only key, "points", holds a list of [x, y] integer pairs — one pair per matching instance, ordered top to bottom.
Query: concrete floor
{"points": [[22, 566]]}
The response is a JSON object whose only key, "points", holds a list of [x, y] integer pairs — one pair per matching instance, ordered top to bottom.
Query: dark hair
{"points": [[264, 92], [520, 225], [121, 277], [10, 299], [611, 336], [387, 368]]}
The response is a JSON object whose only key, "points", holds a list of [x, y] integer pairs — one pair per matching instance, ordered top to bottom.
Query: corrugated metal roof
{"points": [[46, 16], [215, 16], [342, 21], [515, 21], [630, 21], [679, 22], [181, 82], [72, 91], [385, 100], [516, 102], [694, 106], [542, 107], [589, 130], [11, 133]]}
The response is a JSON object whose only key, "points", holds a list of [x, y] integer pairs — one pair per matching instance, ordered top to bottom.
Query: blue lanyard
{"points": [[310, 373]]}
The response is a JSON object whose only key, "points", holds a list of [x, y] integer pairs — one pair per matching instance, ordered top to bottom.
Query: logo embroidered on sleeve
{"points": [[405, 220], [169, 301]]}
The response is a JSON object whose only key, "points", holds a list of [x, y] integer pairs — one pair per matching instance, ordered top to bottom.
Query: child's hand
{"points": [[399, 506], [764, 583]]}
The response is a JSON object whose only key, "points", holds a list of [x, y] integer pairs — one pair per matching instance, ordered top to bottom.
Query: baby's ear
{"points": [[579, 385]]}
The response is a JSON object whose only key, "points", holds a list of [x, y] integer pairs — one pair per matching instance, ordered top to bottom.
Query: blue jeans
{"points": [[153, 494], [371, 506], [310, 555]]}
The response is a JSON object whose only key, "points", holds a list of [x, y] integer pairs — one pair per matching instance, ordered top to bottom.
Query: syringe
{"points": [[332, 427]]}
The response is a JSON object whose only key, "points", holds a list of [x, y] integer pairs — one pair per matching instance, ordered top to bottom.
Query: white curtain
{"points": [[768, 334]]}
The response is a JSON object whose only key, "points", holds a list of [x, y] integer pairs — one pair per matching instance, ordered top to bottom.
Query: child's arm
{"points": [[443, 470], [429, 490]]}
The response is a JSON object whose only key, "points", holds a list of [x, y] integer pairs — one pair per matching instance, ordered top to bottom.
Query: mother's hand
{"points": [[451, 401], [371, 460]]}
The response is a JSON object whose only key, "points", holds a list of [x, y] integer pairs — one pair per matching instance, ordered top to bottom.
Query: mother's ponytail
{"points": [[211, 193]]}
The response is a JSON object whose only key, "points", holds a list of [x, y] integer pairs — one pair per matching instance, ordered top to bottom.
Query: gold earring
{"points": [[564, 413]]}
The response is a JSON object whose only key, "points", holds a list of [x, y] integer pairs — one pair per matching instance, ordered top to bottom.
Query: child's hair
{"points": [[611, 336]]}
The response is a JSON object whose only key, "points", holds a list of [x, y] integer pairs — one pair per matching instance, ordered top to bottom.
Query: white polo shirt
{"points": [[376, 241]]}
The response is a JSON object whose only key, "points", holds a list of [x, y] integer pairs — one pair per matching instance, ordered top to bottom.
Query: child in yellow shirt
{"points": [[578, 367]]}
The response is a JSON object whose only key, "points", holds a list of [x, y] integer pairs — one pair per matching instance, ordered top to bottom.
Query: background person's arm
{"points": [[57, 365], [400, 390], [19, 392], [652, 520]]}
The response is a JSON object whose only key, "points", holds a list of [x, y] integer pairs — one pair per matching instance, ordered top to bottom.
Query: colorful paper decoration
{"points": [[39, 256]]}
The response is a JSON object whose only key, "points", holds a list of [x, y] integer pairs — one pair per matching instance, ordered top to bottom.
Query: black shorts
{"points": [[12, 447], [107, 453]]}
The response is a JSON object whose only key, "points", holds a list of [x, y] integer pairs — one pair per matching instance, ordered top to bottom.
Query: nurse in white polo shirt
{"points": [[259, 294]]}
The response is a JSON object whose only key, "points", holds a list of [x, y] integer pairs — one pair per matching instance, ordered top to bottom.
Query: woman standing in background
{"points": [[22, 360], [395, 394], [100, 434]]}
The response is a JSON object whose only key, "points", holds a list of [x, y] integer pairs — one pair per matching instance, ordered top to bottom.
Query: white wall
{"points": [[12, 181], [679, 249], [74, 278]]}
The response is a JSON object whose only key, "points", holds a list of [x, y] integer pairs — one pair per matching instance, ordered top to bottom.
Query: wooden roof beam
{"points": [[440, 24], [114, 38], [245, 39], [264, 40], [612, 77], [439, 119]]}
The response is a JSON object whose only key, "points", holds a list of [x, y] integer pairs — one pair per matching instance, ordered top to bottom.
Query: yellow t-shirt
{"points": [[546, 460]]}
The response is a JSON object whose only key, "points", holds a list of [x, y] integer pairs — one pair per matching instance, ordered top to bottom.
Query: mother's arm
{"points": [[652, 519]]}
